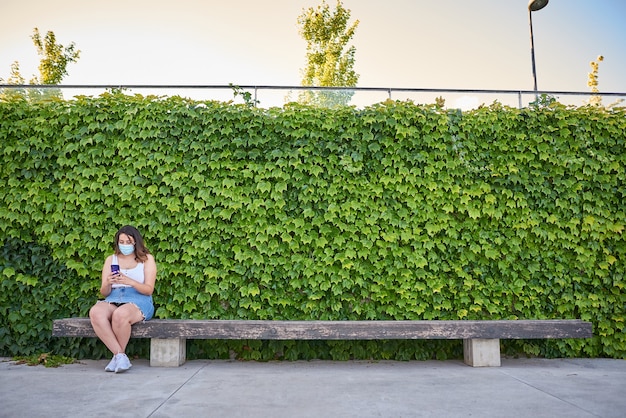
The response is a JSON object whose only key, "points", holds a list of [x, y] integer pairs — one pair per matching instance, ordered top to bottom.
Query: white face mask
{"points": [[127, 249]]}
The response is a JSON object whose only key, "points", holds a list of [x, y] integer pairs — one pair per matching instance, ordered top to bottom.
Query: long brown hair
{"points": [[141, 251]]}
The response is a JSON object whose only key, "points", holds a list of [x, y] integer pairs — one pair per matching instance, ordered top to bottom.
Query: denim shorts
{"points": [[130, 295]]}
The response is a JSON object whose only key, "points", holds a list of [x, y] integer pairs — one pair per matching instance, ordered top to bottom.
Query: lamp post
{"points": [[533, 6]]}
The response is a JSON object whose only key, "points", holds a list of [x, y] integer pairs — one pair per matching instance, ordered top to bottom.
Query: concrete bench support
{"points": [[481, 339], [168, 352], [481, 352]]}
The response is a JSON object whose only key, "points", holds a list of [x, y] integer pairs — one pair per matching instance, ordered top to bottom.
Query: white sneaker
{"points": [[122, 363], [111, 366]]}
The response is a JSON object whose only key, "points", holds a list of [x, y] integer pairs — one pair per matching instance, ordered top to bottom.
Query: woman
{"points": [[127, 288]]}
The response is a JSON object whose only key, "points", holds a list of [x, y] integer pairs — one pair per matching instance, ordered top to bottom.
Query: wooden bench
{"points": [[481, 339]]}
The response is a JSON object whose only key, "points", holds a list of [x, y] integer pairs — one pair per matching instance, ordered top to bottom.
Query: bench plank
{"points": [[339, 330], [481, 339]]}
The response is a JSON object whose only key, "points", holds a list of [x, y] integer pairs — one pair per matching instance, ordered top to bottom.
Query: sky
{"points": [[442, 44]]}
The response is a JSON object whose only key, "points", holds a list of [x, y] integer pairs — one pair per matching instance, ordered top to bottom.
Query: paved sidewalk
{"points": [[211, 388]]}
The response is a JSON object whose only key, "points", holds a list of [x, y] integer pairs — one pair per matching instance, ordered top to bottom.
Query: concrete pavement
{"points": [[216, 388]]}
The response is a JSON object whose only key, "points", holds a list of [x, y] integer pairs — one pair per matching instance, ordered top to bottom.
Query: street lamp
{"points": [[533, 6]]}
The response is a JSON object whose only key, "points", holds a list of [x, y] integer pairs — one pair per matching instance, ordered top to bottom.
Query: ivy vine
{"points": [[395, 211]]}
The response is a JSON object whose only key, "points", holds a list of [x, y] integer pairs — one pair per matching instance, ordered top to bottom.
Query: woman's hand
{"points": [[113, 278], [120, 278]]}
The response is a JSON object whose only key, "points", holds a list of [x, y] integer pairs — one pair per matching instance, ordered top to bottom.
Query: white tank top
{"points": [[136, 273]]}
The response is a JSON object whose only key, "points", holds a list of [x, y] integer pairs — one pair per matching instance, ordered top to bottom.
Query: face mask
{"points": [[127, 249]]}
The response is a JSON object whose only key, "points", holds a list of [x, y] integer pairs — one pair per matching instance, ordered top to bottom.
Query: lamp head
{"points": [[534, 5]]}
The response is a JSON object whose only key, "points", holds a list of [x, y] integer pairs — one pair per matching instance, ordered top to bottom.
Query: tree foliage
{"points": [[54, 57], [330, 61], [52, 67], [14, 78], [592, 81]]}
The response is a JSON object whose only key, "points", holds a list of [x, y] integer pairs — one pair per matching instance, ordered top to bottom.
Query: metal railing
{"points": [[276, 96]]}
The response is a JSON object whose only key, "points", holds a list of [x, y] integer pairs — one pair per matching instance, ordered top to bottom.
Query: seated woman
{"points": [[128, 278]]}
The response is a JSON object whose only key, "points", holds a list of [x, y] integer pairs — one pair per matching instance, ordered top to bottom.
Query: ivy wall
{"points": [[395, 211]]}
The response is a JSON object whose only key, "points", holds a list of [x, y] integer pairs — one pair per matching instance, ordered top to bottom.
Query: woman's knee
{"points": [[97, 311], [122, 317]]}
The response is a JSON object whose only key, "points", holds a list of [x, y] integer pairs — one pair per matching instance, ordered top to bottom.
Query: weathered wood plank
{"points": [[338, 330]]}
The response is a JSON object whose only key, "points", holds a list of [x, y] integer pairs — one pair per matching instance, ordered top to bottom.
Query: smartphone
{"points": [[115, 268]]}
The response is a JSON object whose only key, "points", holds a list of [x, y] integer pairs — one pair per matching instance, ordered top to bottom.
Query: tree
{"points": [[54, 57], [330, 61], [52, 67], [14, 78], [592, 81]]}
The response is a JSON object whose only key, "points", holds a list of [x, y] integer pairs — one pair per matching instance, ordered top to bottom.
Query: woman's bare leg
{"points": [[100, 315], [122, 320]]}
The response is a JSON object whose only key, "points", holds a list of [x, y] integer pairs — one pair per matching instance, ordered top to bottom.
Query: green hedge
{"points": [[395, 211]]}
